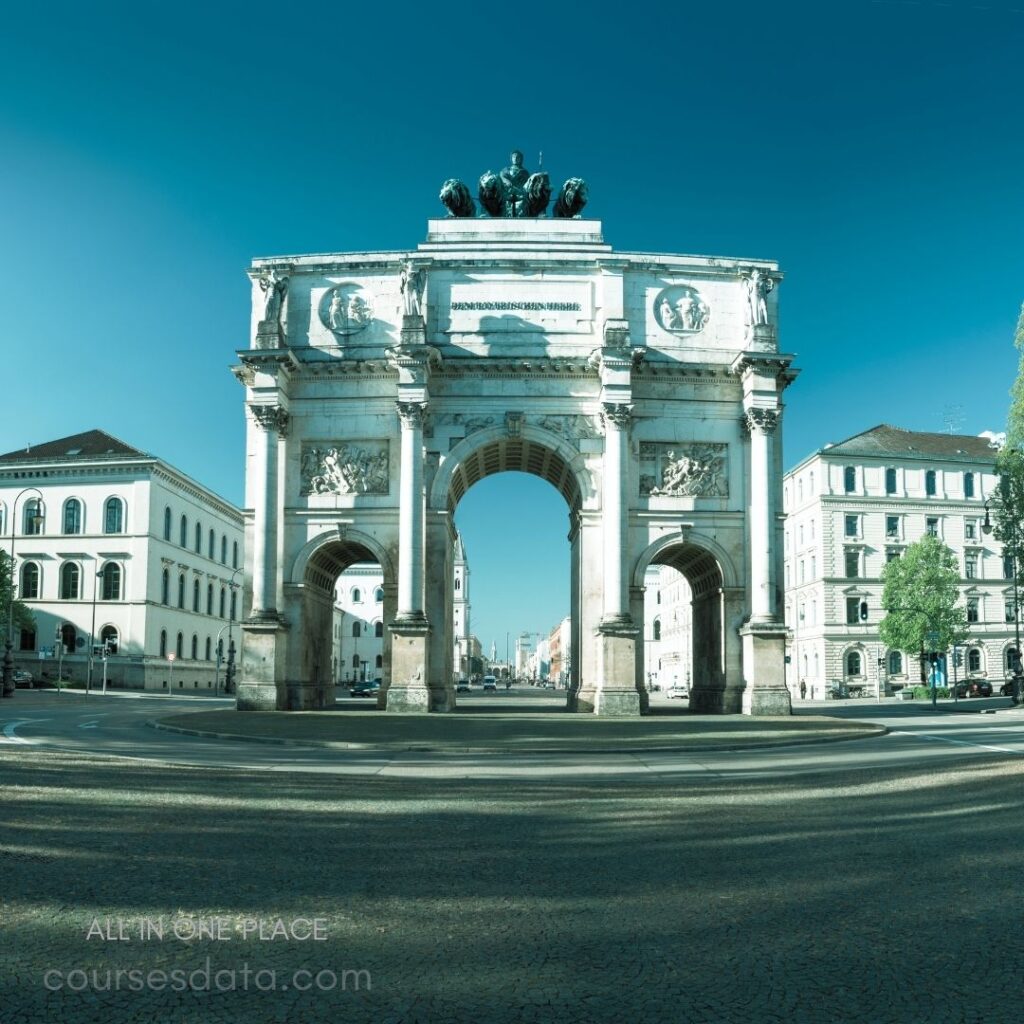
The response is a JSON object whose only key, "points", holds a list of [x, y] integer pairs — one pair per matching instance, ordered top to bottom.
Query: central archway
{"points": [[481, 454]]}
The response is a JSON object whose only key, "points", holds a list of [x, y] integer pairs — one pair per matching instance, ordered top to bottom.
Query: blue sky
{"points": [[150, 151]]}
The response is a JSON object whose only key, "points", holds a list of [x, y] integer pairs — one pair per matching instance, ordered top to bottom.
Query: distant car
{"points": [[22, 678], [490, 683], [462, 686], [975, 688], [369, 689], [677, 693]]}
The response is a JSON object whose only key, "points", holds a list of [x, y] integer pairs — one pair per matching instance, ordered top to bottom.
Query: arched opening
{"points": [[68, 637]]}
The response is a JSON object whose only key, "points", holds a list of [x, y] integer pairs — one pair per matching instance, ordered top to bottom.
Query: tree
{"points": [[1015, 419], [1008, 501], [920, 596], [23, 617]]}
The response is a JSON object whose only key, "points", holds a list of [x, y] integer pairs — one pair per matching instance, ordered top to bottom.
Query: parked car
{"points": [[22, 678], [462, 686], [974, 688], [368, 689], [677, 693]]}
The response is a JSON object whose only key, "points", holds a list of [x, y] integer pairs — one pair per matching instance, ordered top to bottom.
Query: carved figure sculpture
{"points": [[515, 175], [538, 194], [456, 197], [492, 197], [572, 198], [413, 282], [759, 284], [274, 287], [669, 316], [344, 469]]}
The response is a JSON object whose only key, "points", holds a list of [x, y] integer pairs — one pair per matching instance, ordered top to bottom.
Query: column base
{"points": [[268, 334], [764, 669], [260, 686], [617, 691], [409, 692]]}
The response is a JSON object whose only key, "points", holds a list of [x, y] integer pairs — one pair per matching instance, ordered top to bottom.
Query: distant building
{"points": [[853, 506], [130, 553], [668, 629]]}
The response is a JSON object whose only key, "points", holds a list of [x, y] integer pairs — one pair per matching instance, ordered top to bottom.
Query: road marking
{"points": [[9, 728], [959, 743]]}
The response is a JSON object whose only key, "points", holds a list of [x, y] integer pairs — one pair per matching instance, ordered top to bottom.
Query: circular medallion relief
{"points": [[345, 309], [681, 310]]}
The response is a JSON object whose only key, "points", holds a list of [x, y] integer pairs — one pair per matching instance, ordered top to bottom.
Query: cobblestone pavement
{"points": [[855, 898]]}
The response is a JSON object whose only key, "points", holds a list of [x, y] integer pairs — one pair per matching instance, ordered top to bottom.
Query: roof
{"points": [[886, 440], [91, 444]]}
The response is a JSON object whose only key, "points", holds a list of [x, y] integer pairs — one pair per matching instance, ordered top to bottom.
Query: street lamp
{"points": [[37, 519], [986, 528], [92, 632], [229, 671]]}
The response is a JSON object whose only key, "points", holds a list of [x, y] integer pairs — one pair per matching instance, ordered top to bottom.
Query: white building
{"points": [[853, 506], [129, 551], [668, 628], [359, 648]]}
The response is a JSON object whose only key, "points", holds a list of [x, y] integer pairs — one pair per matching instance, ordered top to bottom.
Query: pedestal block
{"points": [[410, 647], [263, 664], [764, 669], [616, 691]]}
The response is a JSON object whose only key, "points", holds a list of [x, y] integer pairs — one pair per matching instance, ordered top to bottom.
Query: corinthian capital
{"points": [[411, 413], [618, 413], [270, 417], [764, 421]]}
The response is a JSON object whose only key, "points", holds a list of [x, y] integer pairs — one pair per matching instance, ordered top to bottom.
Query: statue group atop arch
{"points": [[514, 192], [647, 389]]}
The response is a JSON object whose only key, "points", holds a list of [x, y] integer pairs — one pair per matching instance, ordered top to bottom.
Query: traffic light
{"points": [[863, 611], [933, 658], [958, 658]]}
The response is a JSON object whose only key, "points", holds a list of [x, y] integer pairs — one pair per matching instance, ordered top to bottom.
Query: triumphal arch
{"points": [[647, 388]]}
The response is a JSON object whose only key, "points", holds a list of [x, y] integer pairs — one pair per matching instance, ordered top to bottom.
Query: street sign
{"points": [[932, 638]]}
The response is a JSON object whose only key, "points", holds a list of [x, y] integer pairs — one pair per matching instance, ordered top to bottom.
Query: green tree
{"points": [[1015, 420], [1007, 504], [920, 596], [23, 617]]}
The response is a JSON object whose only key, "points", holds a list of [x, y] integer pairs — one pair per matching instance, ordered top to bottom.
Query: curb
{"points": [[420, 748]]}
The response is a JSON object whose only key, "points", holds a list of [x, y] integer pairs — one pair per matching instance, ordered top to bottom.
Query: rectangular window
{"points": [[890, 481], [852, 526], [931, 526], [892, 527], [970, 529], [891, 554], [852, 564], [971, 566], [1007, 567], [801, 570], [972, 609], [852, 610], [1010, 610]]}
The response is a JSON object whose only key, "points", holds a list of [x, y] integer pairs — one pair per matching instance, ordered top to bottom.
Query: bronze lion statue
{"points": [[538, 194], [492, 195], [456, 197], [572, 198]]}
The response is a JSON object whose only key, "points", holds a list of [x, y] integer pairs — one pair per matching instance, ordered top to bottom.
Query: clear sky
{"points": [[149, 151]]}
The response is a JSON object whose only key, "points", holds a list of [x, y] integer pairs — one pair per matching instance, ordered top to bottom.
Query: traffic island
{"points": [[496, 732]]}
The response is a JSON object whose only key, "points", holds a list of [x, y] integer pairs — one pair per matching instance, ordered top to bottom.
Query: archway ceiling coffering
{"points": [[516, 455], [331, 560], [699, 567]]}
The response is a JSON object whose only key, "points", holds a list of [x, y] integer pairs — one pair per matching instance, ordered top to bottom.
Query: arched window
{"points": [[850, 479], [890, 480], [929, 483], [968, 485], [72, 516], [113, 516], [32, 518], [167, 523], [183, 532], [199, 539], [211, 546], [224, 549], [234, 554], [111, 577], [70, 581], [29, 582], [458, 583], [165, 587], [181, 590], [195, 595], [378, 595], [357, 596], [209, 598], [223, 598], [357, 629], [378, 629], [656, 629], [68, 637], [109, 637], [163, 643], [179, 646], [209, 649], [1008, 659], [974, 660], [355, 661], [380, 661], [853, 663], [895, 663]]}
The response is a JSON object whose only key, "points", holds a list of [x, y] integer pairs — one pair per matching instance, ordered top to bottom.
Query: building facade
{"points": [[853, 506], [128, 553], [668, 635]]}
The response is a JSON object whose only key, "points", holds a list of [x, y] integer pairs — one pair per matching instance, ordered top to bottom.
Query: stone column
{"points": [[272, 422], [637, 613], [410, 632], [763, 636], [617, 692]]}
